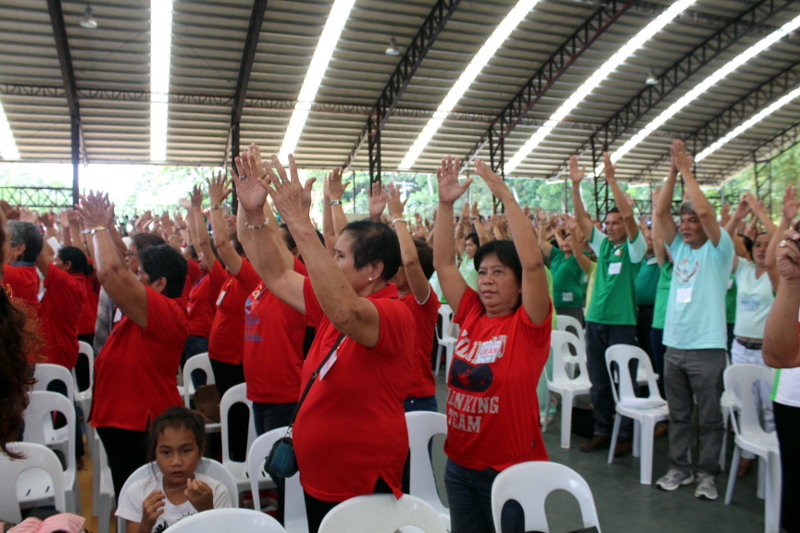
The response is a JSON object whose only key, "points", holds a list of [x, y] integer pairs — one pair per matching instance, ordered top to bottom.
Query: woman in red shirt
{"points": [[504, 342], [135, 371], [350, 433]]}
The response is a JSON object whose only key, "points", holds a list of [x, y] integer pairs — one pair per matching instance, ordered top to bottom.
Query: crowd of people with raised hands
{"points": [[333, 331]]}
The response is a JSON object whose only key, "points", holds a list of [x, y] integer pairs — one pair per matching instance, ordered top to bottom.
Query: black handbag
{"points": [[281, 461]]}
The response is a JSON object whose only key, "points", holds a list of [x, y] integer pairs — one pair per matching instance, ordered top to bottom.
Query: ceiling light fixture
{"points": [[340, 11], [88, 21], [495, 40], [392, 50], [160, 53], [605, 70], [651, 79], [702, 87], [8, 146]]}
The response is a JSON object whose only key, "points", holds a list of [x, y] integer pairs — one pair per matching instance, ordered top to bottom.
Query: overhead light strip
{"points": [[340, 12], [487, 51], [160, 54], [599, 75], [703, 86], [749, 123], [8, 146]]}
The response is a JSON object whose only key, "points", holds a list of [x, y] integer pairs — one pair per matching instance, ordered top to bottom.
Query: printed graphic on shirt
{"points": [[686, 271]]}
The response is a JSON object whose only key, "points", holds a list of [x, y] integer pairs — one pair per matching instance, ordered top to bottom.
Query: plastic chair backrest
{"points": [[572, 325], [446, 329], [560, 341], [85, 349], [622, 355], [196, 362], [46, 373], [740, 379], [234, 395], [39, 425], [422, 426], [35, 456], [531, 482], [381, 513], [228, 521]]}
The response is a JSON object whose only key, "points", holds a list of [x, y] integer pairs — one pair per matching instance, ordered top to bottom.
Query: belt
{"points": [[750, 345]]}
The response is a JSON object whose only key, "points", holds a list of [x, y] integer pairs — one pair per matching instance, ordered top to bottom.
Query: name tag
{"points": [[652, 261], [614, 268], [684, 295], [566, 296], [220, 297], [749, 303], [117, 315], [489, 352], [327, 366]]}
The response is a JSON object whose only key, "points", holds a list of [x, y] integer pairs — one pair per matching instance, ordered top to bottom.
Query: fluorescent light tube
{"points": [[160, 53], [8, 146]]}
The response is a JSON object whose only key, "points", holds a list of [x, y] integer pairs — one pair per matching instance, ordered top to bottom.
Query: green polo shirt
{"points": [[567, 280], [646, 282], [613, 293], [662, 295]]}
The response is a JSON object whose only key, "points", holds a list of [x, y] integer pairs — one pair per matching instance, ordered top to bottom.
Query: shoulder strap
{"points": [[313, 378]]}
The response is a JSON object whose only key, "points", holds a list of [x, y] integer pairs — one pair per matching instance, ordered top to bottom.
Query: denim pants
{"points": [[598, 338], [690, 375], [421, 403], [269, 416], [469, 494]]}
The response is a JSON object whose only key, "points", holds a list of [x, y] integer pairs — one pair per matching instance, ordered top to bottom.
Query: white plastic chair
{"points": [[570, 324], [445, 339], [203, 363], [45, 375], [561, 383], [84, 397], [645, 412], [422, 427], [39, 429], [751, 437], [207, 466], [238, 469], [16, 475], [530, 483], [103, 501], [294, 505], [381, 513], [228, 521]]}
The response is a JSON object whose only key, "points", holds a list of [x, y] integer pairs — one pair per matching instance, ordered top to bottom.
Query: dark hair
{"points": [[613, 210], [28, 234], [474, 238], [289, 239], [146, 240], [374, 242], [236, 244], [750, 244], [192, 252], [505, 252], [425, 254], [75, 256], [164, 261], [177, 418]]}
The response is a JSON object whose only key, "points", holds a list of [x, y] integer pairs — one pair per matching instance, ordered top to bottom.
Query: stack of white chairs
{"points": [[202, 363], [46, 375], [422, 427], [20, 476]]}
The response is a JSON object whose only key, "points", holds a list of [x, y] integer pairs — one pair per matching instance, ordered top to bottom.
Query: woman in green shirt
{"points": [[568, 264]]}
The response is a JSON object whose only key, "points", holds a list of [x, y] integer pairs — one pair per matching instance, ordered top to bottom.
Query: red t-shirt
{"points": [[193, 273], [24, 283], [91, 289], [200, 307], [59, 313], [425, 316], [226, 340], [273, 346], [135, 371], [492, 408], [351, 428]]}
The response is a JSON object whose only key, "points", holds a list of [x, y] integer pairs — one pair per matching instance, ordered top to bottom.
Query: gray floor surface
{"points": [[626, 506]]}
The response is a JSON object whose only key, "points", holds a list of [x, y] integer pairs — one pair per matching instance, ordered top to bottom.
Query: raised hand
{"points": [[680, 158], [608, 167], [575, 172], [495, 183], [335, 186], [218, 189], [450, 189], [196, 196], [252, 196], [291, 199], [377, 201], [790, 203], [396, 205], [96, 210], [742, 210], [789, 255], [199, 494]]}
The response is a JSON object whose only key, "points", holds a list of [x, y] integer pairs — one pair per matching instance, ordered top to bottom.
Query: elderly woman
{"points": [[135, 372], [492, 408], [350, 433]]}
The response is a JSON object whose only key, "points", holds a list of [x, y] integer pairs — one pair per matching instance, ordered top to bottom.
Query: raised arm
{"points": [[336, 188], [217, 192], [377, 201], [622, 201], [700, 204], [791, 205], [662, 208], [757, 208], [742, 210], [581, 216], [200, 230], [328, 233], [655, 234], [578, 243], [544, 244], [444, 248], [417, 281], [535, 294], [781, 340]]}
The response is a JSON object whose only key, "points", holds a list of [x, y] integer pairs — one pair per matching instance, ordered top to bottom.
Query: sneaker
{"points": [[598, 442], [674, 478], [706, 487]]}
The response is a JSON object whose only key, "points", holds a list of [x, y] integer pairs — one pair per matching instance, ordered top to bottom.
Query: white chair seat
{"points": [[642, 403], [422, 427], [14, 475], [381, 513], [228, 521]]}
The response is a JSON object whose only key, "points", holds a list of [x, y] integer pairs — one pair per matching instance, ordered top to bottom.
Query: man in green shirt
{"points": [[611, 316]]}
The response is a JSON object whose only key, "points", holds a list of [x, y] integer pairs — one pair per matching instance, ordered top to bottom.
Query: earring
{"points": [[370, 278]]}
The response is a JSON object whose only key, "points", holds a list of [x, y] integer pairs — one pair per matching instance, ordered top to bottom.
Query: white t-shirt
{"points": [[754, 299], [130, 503]]}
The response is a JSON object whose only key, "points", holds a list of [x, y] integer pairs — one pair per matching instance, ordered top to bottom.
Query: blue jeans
{"points": [[598, 338], [195, 345], [422, 403], [268, 416], [469, 494]]}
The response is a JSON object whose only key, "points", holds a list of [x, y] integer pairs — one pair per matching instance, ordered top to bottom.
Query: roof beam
{"points": [[544, 78], [785, 80], [398, 82], [70, 90]]}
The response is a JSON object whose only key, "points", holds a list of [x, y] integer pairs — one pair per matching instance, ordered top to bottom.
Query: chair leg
{"points": [[449, 355], [438, 364], [546, 410], [566, 419], [614, 435], [637, 438], [645, 439], [724, 448], [737, 454], [762, 478], [772, 502]]}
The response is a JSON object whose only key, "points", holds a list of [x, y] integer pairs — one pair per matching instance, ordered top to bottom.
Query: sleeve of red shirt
{"points": [[216, 277], [247, 277], [469, 303], [313, 310], [169, 323], [396, 325]]}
